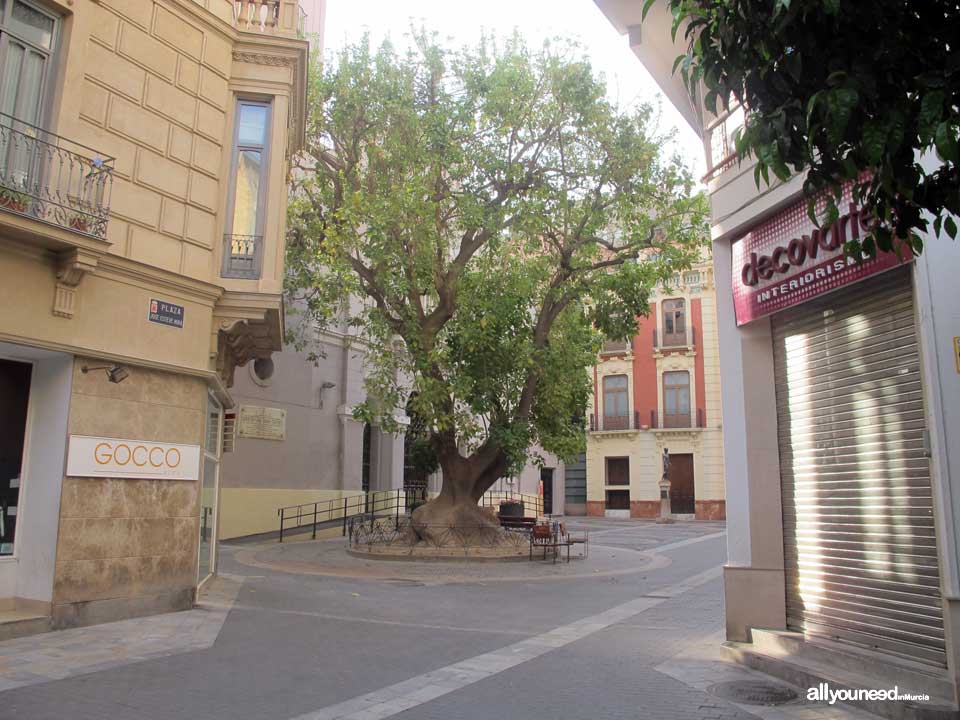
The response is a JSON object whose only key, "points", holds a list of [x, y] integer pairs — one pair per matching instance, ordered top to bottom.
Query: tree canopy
{"points": [[851, 92], [497, 216]]}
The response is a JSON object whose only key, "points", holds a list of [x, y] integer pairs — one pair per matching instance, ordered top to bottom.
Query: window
{"points": [[27, 40], [243, 244], [674, 323], [676, 399], [616, 405], [618, 471]]}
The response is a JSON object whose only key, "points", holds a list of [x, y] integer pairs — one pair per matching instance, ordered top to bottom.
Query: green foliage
{"points": [[848, 91], [469, 200]]}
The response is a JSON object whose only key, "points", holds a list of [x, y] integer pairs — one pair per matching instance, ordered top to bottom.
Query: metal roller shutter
{"points": [[860, 552]]}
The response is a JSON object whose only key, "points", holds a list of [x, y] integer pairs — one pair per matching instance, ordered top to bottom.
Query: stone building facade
{"points": [[144, 151], [661, 391]]}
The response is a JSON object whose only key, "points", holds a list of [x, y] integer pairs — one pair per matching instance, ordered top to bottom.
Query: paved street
{"points": [[287, 633]]}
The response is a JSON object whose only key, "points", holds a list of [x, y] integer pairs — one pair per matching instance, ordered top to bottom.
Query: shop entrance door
{"points": [[14, 398], [681, 485]]}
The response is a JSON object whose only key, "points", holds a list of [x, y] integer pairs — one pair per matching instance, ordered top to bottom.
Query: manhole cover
{"points": [[753, 692]]}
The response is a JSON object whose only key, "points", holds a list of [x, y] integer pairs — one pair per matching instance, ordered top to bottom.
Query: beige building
{"points": [[144, 152], [660, 392]]}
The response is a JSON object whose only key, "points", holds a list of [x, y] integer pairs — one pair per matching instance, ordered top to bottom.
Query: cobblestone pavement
{"points": [[286, 634]]}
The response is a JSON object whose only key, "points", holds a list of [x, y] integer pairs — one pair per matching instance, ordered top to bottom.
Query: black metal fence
{"points": [[50, 178]]}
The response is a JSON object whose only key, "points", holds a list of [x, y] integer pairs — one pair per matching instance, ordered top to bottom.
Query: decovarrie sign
{"points": [[788, 260], [118, 458]]}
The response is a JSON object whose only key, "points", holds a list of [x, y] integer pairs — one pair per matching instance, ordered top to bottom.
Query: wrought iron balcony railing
{"points": [[270, 16], [50, 178], [242, 256], [677, 420], [615, 422]]}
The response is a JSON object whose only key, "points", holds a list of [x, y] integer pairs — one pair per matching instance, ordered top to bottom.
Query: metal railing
{"points": [[270, 16], [719, 140], [50, 178], [242, 256], [675, 340], [678, 420], [615, 422], [532, 504], [312, 515]]}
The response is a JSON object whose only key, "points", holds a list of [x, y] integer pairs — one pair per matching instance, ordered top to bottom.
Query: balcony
{"points": [[273, 17], [719, 140], [54, 180], [242, 257], [675, 341], [615, 347], [675, 420], [607, 423]]}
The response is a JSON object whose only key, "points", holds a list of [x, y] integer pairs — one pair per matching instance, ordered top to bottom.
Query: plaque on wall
{"points": [[262, 423]]}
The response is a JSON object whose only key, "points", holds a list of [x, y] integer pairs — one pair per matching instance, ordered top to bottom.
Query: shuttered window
{"points": [[860, 551]]}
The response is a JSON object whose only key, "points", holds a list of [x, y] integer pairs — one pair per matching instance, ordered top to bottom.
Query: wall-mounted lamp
{"points": [[115, 373], [327, 385]]}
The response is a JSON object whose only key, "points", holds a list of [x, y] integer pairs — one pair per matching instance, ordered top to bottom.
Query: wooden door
{"points": [[681, 485]]}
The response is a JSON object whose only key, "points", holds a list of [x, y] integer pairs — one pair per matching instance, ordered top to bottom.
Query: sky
{"points": [[462, 22]]}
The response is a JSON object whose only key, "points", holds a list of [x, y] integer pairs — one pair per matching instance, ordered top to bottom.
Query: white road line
{"points": [[684, 543], [394, 699]]}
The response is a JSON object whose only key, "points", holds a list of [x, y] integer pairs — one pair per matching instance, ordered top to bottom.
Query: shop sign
{"points": [[788, 260], [166, 313], [262, 423], [117, 458]]}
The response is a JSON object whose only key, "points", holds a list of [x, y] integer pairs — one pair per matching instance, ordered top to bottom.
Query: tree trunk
{"points": [[453, 517]]}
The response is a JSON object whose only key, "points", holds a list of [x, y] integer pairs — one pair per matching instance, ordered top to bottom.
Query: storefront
{"points": [[847, 544]]}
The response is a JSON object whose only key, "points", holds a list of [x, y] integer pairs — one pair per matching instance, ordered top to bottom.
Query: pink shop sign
{"points": [[788, 260]]}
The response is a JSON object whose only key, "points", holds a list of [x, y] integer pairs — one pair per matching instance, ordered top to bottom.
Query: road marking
{"points": [[684, 543], [376, 621], [394, 699]]}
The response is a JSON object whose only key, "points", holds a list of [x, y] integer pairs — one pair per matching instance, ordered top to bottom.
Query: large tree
{"points": [[850, 92], [497, 216]]}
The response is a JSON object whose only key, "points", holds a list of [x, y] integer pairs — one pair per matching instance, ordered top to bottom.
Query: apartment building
{"points": [[144, 152], [660, 393], [841, 412]]}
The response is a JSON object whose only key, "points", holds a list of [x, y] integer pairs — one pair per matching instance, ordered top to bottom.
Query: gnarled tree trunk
{"points": [[465, 480]]}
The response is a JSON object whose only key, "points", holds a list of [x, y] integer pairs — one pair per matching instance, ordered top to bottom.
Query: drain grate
{"points": [[754, 692]]}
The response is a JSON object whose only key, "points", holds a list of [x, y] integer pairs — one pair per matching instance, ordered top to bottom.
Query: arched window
{"points": [[674, 322], [676, 399], [616, 404]]}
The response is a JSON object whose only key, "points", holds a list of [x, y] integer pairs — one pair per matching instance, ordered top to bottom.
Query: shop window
{"points": [[243, 243], [674, 322], [676, 399], [616, 404], [618, 471]]}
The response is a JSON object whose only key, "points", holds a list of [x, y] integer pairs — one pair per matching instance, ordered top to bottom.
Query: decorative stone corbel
{"points": [[71, 267]]}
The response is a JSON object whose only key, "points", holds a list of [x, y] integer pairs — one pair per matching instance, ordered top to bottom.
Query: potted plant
{"points": [[13, 200], [80, 223], [511, 508]]}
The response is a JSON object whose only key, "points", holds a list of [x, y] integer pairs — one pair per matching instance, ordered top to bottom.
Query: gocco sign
{"points": [[788, 260], [116, 458]]}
